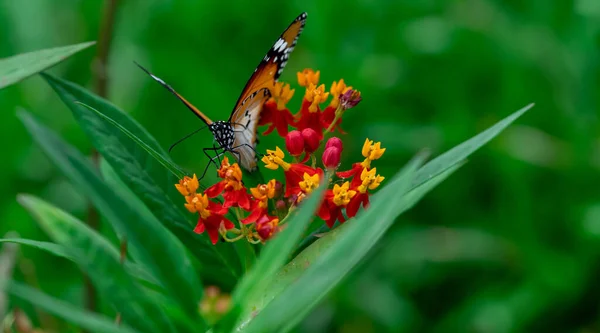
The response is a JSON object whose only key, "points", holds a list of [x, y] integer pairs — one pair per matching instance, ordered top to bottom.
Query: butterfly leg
{"points": [[249, 146], [215, 149], [212, 159]]}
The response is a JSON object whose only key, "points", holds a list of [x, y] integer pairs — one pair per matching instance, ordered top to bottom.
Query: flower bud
{"points": [[350, 99], [311, 140], [334, 142], [294, 143], [331, 157], [278, 189], [280, 205]]}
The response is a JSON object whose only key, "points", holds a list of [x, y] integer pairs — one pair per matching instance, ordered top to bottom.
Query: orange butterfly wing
{"points": [[272, 65], [246, 114]]}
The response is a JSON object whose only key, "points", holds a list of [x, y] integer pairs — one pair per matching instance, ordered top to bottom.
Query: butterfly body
{"points": [[237, 135]]}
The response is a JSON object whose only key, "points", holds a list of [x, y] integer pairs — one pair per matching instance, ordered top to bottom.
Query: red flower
{"points": [[275, 113], [295, 178], [368, 180], [231, 186], [261, 194], [335, 200], [211, 216], [266, 226]]}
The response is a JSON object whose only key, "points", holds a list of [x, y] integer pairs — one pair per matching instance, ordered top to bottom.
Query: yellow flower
{"points": [[307, 77], [337, 89], [281, 94], [315, 95], [371, 151], [274, 159], [370, 180], [309, 183], [187, 186], [264, 192], [342, 194], [198, 203]]}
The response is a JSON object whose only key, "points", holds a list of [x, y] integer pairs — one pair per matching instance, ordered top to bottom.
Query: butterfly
{"points": [[237, 135]]}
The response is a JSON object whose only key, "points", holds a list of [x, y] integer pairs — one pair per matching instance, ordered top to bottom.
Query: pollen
{"points": [[307, 77], [281, 94], [315, 95], [274, 159], [370, 180], [309, 183], [187, 186], [342, 194], [198, 203]]}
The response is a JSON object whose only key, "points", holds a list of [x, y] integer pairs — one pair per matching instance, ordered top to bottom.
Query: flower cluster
{"points": [[262, 210]]}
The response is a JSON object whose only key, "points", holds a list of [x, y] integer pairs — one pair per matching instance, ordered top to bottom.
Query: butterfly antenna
{"points": [[185, 137]]}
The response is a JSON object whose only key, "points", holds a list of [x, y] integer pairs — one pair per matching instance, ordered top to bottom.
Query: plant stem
{"points": [[100, 64]]}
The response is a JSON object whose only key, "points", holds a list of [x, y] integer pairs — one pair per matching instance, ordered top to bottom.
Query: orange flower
{"points": [[187, 186], [231, 187]]}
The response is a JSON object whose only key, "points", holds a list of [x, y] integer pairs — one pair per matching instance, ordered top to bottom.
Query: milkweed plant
{"points": [[251, 252]]}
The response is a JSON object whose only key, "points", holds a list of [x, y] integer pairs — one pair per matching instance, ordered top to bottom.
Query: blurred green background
{"points": [[509, 243]]}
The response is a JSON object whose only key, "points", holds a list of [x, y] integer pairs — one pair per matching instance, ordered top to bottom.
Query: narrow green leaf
{"points": [[21, 66], [462, 151], [142, 165], [172, 167], [152, 245], [55, 249], [61, 251], [277, 251], [274, 255], [98, 258], [210, 268], [319, 268], [74, 314]]}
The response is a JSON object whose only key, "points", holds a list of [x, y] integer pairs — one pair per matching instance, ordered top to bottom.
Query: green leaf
{"points": [[21, 66], [462, 151], [141, 164], [172, 167], [349, 243], [152, 245], [55, 249], [61, 251], [274, 255], [98, 258], [321, 265], [214, 271], [74, 314]]}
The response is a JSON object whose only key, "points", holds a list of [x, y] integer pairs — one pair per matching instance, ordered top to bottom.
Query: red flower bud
{"points": [[311, 140], [294, 142], [334, 142], [331, 157], [278, 189], [280, 205]]}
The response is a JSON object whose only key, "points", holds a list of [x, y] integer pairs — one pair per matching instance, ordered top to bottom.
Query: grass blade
{"points": [[74, 314]]}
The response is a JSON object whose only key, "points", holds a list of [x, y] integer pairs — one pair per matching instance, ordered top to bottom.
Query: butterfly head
{"points": [[223, 133]]}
